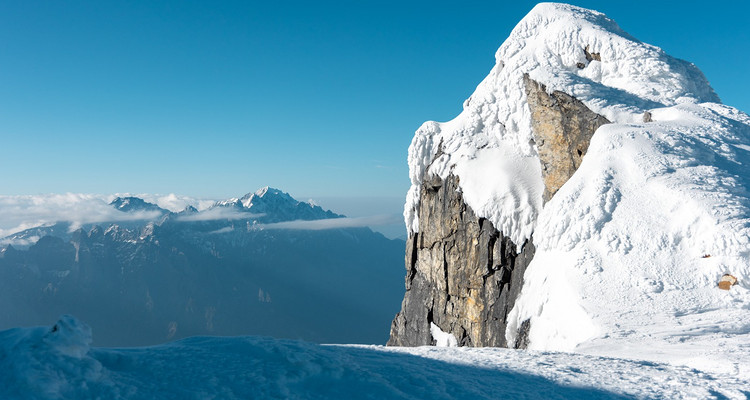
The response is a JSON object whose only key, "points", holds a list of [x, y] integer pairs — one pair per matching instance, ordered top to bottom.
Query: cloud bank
{"points": [[172, 202], [18, 213], [218, 213], [334, 223]]}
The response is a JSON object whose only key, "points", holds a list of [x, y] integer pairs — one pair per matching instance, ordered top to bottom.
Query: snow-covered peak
{"points": [[577, 51], [587, 55], [262, 191], [268, 194], [232, 202], [131, 204], [268, 204], [189, 210]]}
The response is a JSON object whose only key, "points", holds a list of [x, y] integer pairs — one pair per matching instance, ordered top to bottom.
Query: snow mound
{"points": [[489, 146], [631, 249], [442, 339], [48, 362], [257, 367]]}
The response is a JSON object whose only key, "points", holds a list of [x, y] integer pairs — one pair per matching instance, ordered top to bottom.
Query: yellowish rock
{"points": [[727, 281]]}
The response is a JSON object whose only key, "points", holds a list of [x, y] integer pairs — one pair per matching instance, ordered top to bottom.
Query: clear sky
{"points": [[217, 98]]}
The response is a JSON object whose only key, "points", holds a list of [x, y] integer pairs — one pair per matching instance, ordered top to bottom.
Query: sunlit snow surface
{"points": [[630, 250], [38, 363]]}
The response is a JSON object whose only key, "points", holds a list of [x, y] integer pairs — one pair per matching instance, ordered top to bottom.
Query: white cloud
{"points": [[171, 202], [18, 213], [218, 213], [334, 223], [225, 229], [20, 242]]}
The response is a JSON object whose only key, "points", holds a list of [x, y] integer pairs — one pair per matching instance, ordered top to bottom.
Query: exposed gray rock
{"points": [[590, 56], [563, 127], [462, 274], [522, 337]]}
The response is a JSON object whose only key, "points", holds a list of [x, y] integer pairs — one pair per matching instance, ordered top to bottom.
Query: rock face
{"points": [[563, 127], [462, 274]]}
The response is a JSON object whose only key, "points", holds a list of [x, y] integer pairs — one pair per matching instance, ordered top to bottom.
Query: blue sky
{"points": [[320, 99]]}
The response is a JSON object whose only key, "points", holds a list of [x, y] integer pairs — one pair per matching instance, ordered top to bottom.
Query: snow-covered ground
{"points": [[56, 363]]}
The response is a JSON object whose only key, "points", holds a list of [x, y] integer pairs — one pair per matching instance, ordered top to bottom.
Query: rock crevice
{"points": [[463, 275]]}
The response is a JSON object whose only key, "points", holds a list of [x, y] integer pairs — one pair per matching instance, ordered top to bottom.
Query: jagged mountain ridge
{"points": [[132, 203], [266, 205], [273, 205], [219, 271]]}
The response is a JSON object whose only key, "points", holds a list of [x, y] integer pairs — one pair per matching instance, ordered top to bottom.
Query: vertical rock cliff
{"points": [[463, 274]]}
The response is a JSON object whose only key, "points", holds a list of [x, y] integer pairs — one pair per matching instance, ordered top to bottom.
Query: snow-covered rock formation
{"points": [[589, 197]]}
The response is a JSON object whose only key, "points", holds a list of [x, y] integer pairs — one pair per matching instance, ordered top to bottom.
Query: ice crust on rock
{"points": [[494, 130]]}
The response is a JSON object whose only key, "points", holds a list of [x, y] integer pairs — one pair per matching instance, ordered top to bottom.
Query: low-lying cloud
{"points": [[173, 202], [18, 213], [218, 213], [334, 223], [225, 229]]}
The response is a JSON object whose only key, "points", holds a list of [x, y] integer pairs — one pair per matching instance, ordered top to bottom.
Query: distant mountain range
{"points": [[238, 267]]}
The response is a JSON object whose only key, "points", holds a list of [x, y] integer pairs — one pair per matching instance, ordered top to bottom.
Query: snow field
{"points": [[39, 365]]}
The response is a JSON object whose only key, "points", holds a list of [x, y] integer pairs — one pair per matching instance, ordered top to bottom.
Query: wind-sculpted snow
{"points": [[490, 144], [630, 250], [36, 364]]}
